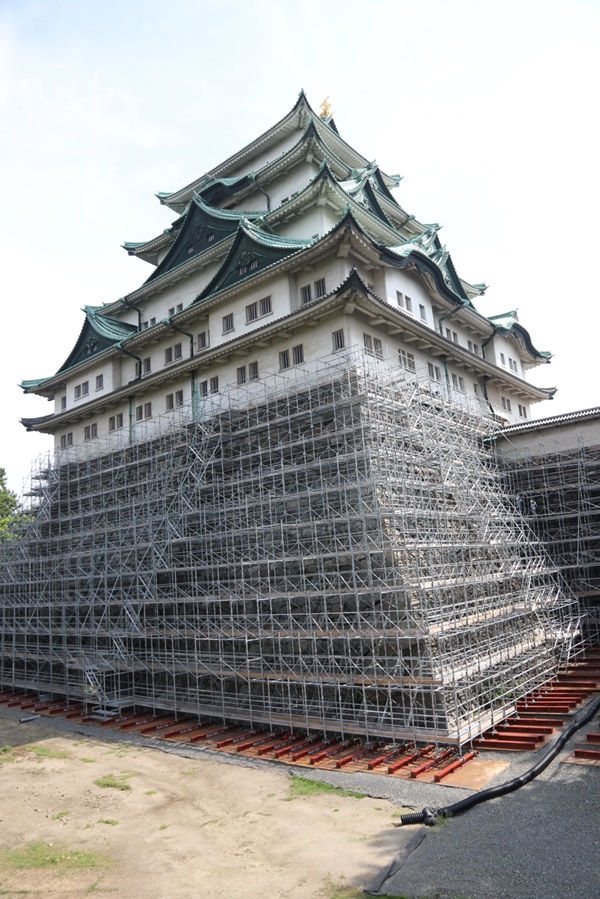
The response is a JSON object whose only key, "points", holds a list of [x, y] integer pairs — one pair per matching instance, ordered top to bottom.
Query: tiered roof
{"points": [[213, 228]]}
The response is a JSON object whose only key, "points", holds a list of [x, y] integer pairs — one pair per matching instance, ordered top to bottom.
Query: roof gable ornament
{"points": [[326, 111]]}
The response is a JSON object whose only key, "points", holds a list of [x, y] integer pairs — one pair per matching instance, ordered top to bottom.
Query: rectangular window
{"points": [[320, 289], [305, 294], [403, 301], [264, 306], [179, 307], [171, 311], [251, 312], [422, 312], [152, 322], [228, 323], [144, 326], [337, 339], [203, 340], [368, 343], [378, 347], [474, 348], [177, 351], [298, 354], [168, 355], [502, 359], [284, 360], [407, 360], [146, 365], [253, 371], [435, 372], [241, 374], [99, 382], [458, 383], [214, 384], [203, 388], [81, 390], [179, 397], [63, 402], [506, 403], [169, 404], [144, 411], [522, 411], [115, 421], [87, 432], [66, 440]]}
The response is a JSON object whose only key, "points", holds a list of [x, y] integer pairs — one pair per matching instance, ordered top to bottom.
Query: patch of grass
{"points": [[46, 752], [6, 754], [84, 759], [191, 772], [111, 781], [302, 786], [150, 792], [60, 815], [110, 821], [164, 826], [48, 855]]}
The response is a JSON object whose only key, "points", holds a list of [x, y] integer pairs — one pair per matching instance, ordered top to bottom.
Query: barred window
{"points": [[337, 339]]}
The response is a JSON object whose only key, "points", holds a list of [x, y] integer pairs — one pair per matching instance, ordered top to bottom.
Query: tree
{"points": [[9, 506]]}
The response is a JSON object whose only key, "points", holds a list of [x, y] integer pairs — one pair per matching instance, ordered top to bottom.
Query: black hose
{"points": [[428, 815]]}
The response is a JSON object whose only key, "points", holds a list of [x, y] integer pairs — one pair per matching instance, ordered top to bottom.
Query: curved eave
{"points": [[300, 115], [293, 121], [310, 143], [326, 186], [199, 214], [265, 246], [150, 249], [424, 265], [184, 270], [400, 322], [106, 332], [523, 340], [36, 424]]}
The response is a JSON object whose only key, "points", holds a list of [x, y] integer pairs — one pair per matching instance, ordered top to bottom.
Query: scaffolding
{"points": [[558, 490], [332, 552]]}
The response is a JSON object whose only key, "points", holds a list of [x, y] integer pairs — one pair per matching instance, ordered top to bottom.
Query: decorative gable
{"points": [[99, 332]]}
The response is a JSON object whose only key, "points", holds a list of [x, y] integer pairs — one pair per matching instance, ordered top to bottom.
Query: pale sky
{"points": [[488, 109]]}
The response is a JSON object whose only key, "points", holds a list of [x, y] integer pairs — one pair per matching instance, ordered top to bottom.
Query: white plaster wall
{"points": [[256, 162], [292, 182], [314, 221], [411, 285], [184, 291], [498, 345], [557, 439]]}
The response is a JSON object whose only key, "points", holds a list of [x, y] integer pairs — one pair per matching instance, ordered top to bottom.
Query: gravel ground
{"points": [[540, 842]]}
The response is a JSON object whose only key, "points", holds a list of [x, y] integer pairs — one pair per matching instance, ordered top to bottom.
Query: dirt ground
{"points": [[173, 828]]}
